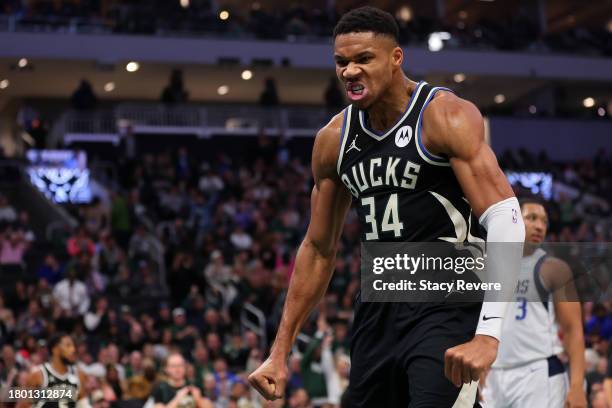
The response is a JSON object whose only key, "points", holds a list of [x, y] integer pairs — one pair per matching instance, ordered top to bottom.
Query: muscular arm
{"points": [[455, 128], [316, 256], [315, 260], [557, 276]]}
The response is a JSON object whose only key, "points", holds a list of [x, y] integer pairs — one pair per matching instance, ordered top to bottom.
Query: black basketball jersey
{"points": [[401, 191], [54, 380]]}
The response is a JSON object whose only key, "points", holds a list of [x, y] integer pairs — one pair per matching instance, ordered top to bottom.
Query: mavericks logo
{"points": [[403, 136]]}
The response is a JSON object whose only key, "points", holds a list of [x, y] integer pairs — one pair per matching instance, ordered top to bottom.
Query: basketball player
{"points": [[413, 159], [527, 372], [59, 373]]}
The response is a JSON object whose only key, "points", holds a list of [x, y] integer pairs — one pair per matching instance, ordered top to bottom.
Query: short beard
{"points": [[65, 361]]}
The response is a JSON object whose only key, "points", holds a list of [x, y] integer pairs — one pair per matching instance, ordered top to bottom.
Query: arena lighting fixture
{"points": [[184, 3], [404, 14], [224, 15], [436, 40], [23, 62], [132, 66], [246, 74], [459, 78], [4, 84], [109, 87], [223, 90], [500, 98], [588, 102], [533, 110], [601, 112]]}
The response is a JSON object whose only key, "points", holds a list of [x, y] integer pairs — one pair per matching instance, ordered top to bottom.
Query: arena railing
{"points": [[200, 120], [253, 319]]}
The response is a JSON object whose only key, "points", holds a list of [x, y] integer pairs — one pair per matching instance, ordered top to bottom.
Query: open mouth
{"points": [[355, 90]]}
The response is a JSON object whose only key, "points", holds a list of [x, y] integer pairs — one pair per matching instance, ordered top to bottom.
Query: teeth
{"points": [[357, 89]]}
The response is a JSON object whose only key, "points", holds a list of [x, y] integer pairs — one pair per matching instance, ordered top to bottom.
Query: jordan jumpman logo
{"points": [[353, 145]]}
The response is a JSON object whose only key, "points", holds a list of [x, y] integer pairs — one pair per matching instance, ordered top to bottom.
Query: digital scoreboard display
{"points": [[61, 175]]}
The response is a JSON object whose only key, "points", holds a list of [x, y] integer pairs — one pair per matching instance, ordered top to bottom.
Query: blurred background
{"points": [[155, 158]]}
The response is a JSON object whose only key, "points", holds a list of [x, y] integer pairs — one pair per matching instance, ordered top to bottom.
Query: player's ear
{"points": [[397, 56]]}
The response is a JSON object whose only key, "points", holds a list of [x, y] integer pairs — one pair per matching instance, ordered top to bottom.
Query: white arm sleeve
{"points": [[504, 223]]}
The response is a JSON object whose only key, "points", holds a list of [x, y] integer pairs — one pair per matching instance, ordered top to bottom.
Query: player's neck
{"points": [[392, 105], [58, 366]]}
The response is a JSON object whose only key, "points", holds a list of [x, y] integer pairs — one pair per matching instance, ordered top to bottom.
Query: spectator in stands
{"points": [[175, 92], [269, 95], [84, 98], [210, 182], [7, 211], [95, 216], [120, 219], [23, 225], [240, 239], [80, 242], [143, 244], [13, 247], [109, 255], [51, 270], [217, 272], [183, 277], [71, 295], [32, 322], [7, 323], [600, 323], [183, 334], [135, 364], [202, 364], [9, 365], [317, 366], [596, 377], [224, 378], [295, 380], [113, 384], [607, 384], [139, 387], [176, 390], [300, 399]]}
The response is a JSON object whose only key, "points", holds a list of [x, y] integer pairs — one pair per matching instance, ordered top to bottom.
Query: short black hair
{"points": [[367, 19], [531, 200], [56, 339]]}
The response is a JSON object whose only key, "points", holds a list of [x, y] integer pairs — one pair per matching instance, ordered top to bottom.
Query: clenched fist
{"points": [[466, 362], [270, 378]]}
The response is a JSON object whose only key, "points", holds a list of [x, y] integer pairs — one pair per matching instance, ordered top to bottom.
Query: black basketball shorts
{"points": [[397, 353]]}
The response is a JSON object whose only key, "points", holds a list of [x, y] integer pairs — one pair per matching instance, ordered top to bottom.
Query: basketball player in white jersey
{"points": [[527, 372], [59, 373]]}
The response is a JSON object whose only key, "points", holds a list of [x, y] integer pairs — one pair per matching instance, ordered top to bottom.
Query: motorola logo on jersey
{"points": [[403, 136], [376, 172]]}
